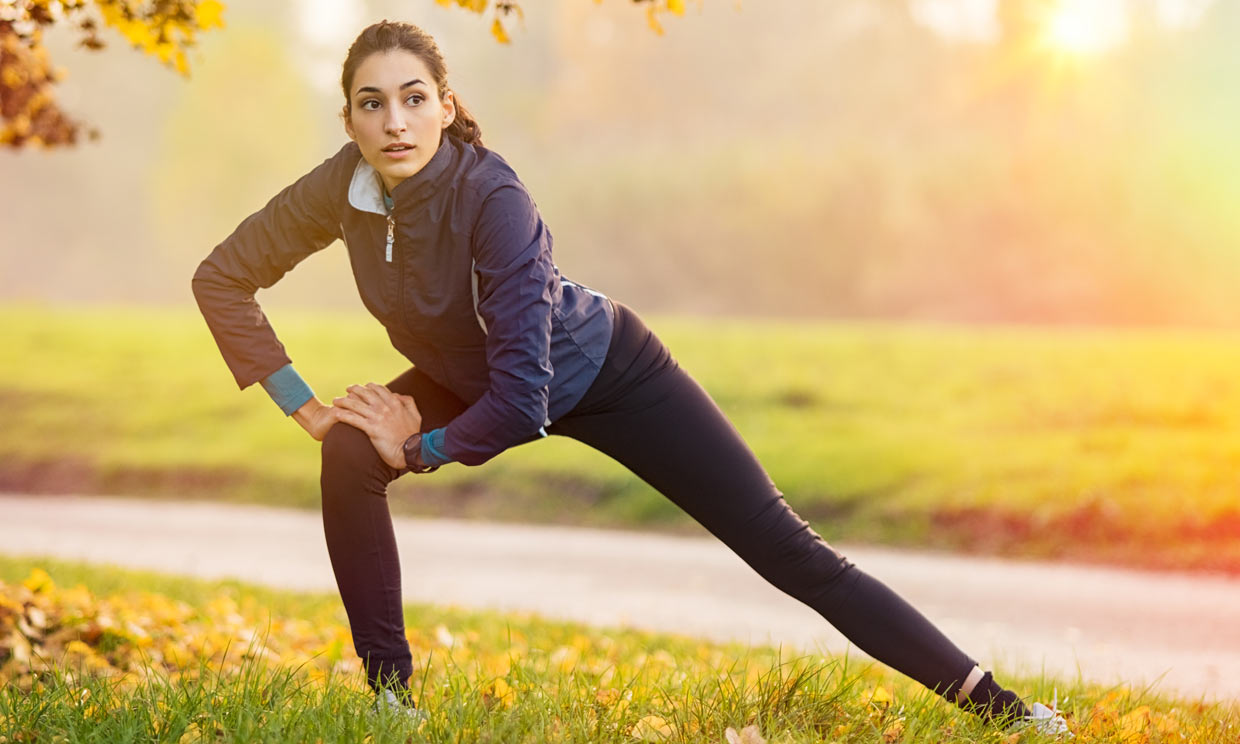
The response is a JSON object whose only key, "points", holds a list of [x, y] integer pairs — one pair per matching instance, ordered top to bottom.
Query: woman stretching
{"points": [[451, 255]]}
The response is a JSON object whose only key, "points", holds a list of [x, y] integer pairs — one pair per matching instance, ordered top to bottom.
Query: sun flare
{"points": [[1085, 26]]}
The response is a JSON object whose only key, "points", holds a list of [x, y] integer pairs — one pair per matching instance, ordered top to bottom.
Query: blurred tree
{"points": [[28, 111], [29, 115]]}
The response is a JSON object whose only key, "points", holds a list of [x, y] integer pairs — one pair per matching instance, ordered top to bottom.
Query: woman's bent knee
{"points": [[349, 455]]}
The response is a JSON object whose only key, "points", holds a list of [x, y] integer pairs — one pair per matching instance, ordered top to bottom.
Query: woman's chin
{"points": [[397, 172]]}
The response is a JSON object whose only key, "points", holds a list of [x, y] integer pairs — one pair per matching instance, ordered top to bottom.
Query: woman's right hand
{"points": [[316, 418]]}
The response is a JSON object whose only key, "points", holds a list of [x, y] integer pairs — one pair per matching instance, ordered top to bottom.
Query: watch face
{"points": [[413, 447]]}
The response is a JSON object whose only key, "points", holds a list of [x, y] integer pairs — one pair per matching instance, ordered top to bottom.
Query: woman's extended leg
{"points": [[651, 416], [360, 540]]}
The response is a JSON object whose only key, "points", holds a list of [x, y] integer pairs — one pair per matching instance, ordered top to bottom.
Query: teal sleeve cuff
{"points": [[287, 389], [432, 448]]}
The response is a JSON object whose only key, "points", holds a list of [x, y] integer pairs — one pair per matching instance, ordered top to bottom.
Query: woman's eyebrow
{"points": [[372, 89]]}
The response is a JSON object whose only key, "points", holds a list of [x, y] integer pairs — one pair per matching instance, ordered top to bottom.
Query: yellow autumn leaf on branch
{"points": [[210, 13], [652, 19], [497, 30]]}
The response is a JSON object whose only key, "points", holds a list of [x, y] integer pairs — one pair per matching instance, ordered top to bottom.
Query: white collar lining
{"points": [[365, 192]]}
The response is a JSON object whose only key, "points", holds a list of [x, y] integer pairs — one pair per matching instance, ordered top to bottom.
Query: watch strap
{"points": [[413, 455]]}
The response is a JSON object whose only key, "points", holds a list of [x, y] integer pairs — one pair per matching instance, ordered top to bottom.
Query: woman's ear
{"points": [[449, 109], [348, 124]]}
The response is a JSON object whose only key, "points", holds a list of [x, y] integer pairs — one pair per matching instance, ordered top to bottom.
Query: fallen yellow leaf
{"points": [[39, 581], [879, 696], [652, 728], [748, 735]]}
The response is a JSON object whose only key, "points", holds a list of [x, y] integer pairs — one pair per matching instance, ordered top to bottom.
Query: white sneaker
{"points": [[388, 700], [1045, 720]]}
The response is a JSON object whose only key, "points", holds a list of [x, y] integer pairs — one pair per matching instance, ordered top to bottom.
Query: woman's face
{"points": [[394, 101]]}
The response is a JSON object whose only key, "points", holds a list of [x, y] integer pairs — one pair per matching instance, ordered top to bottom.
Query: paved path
{"points": [[1113, 625]]}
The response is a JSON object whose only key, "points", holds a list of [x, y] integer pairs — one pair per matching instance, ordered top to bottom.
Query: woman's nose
{"points": [[395, 123]]}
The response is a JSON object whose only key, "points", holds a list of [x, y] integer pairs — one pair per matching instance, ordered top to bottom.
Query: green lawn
{"points": [[1110, 445], [96, 654]]}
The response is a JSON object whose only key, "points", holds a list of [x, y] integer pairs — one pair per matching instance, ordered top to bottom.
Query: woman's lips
{"points": [[398, 154]]}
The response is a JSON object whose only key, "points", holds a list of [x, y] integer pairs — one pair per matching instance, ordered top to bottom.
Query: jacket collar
{"points": [[366, 186]]}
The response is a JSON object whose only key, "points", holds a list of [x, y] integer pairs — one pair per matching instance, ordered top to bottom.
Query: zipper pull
{"points": [[391, 236]]}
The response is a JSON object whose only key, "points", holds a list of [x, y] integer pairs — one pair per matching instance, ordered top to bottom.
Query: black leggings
{"points": [[647, 413]]}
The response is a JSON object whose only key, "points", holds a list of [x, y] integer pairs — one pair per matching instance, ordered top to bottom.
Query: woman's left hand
{"points": [[387, 418]]}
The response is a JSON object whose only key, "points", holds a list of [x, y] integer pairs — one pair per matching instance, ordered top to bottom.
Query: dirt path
{"points": [[1113, 625]]}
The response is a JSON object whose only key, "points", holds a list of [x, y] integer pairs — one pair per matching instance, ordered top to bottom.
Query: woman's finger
{"points": [[359, 392], [365, 393], [381, 393], [351, 399], [355, 405], [348, 417]]}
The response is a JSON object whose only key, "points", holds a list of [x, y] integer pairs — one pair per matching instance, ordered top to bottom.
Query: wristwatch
{"points": [[413, 455]]}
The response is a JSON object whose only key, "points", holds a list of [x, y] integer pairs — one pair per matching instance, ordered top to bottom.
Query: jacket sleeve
{"points": [[298, 221], [517, 281]]}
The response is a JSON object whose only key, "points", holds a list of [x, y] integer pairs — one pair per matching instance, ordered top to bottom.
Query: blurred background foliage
{"points": [[897, 159], [902, 183]]}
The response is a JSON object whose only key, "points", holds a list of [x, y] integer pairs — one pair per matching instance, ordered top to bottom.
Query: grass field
{"points": [[1109, 445], [93, 654]]}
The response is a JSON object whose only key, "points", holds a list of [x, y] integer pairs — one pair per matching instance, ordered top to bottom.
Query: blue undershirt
{"points": [[291, 392]]}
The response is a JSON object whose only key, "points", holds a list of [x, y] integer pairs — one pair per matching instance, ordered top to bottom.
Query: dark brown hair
{"points": [[386, 36]]}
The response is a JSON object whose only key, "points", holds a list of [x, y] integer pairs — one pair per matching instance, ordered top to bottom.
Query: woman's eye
{"points": [[366, 104]]}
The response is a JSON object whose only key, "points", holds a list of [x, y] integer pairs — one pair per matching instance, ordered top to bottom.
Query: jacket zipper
{"points": [[391, 236], [400, 270]]}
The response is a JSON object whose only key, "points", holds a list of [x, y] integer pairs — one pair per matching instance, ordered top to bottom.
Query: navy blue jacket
{"points": [[460, 273]]}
